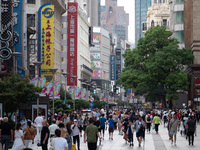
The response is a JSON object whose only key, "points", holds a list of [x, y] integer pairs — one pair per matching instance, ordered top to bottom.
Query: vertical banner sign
{"points": [[19, 35], [46, 38], [6, 42], [72, 42], [112, 67]]}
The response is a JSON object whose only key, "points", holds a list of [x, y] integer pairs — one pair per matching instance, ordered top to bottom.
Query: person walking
{"points": [[115, 118], [66, 119], [148, 119], [24, 122], [85, 122], [157, 122], [38, 123], [174, 124], [102, 125], [138, 126], [111, 127], [190, 127], [52, 128], [75, 131], [130, 132], [6, 133], [91, 133], [29, 135], [44, 135], [19, 138], [69, 139], [59, 143]]}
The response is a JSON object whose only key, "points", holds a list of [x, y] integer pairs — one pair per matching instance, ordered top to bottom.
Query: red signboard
{"points": [[72, 21]]}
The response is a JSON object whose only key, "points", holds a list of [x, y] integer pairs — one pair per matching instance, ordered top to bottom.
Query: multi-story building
{"points": [[141, 7], [158, 14], [115, 19], [176, 20], [192, 41], [100, 56]]}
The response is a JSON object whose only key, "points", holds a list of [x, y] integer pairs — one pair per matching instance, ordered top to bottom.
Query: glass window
{"points": [[31, 1], [179, 1], [179, 17], [31, 20], [165, 22], [111, 28], [180, 36], [32, 46]]}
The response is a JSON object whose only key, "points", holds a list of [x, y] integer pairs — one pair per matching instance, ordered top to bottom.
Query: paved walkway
{"points": [[153, 142]]}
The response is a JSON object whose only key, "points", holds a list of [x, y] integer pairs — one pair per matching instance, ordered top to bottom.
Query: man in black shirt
{"points": [[190, 127], [6, 133], [44, 135]]}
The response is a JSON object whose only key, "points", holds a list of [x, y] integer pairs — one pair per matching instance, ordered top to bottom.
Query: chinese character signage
{"points": [[19, 35], [46, 37], [6, 42], [72, 42], [112, 67]]}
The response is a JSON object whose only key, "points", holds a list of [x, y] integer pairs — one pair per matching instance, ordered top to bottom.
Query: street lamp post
{"points": [[16, 55], [38, 64], [53, 71], [65, 75], [74, 78]]}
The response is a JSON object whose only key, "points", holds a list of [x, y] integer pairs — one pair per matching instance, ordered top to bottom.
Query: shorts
{"points": [[102, 128], [111, 129], [173, 132], [139, 134]]}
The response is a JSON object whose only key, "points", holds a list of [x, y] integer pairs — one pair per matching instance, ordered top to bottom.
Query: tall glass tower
{"points": [[141, 7]]}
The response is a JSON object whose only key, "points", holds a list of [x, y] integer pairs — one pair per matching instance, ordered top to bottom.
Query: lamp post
{"points": [[16, 55], [38, 64], [53, 71], [65, 75], [74, 78]]}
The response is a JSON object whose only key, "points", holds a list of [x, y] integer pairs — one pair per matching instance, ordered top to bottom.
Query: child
{"points": [[130, 131]]}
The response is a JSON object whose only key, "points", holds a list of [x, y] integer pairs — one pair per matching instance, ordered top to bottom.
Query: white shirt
{"points": [[38, 121], [52, 129], [75, 130], [59, 143]]}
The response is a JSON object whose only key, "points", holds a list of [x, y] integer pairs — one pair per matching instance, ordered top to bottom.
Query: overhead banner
{"points": [[20, 35], [46, 38], [72, 42], [112, 67]]}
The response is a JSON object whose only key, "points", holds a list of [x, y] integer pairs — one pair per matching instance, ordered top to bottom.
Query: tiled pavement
{"points": [[152, 141]]}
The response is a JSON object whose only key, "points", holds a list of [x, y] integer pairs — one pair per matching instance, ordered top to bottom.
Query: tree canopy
{"points": [[155, 67], [15, 91]]}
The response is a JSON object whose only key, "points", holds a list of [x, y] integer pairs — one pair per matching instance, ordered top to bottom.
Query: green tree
{"points": [[155, 66], [15, 91], [62, 94], [121, 103], [81, 104], [99, 104], [60, 105]]}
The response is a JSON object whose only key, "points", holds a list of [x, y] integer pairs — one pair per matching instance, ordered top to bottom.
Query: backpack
{"points": [[148, 118]]}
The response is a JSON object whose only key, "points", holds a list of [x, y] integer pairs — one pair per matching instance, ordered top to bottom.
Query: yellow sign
{"points": [[47, 38]]}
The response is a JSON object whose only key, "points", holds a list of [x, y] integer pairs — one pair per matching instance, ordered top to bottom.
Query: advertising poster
{"points": [[72, 30], [46, 38], [96, 38], [95, 48]]}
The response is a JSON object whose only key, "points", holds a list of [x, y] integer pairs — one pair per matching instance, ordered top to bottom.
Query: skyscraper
{"points": [[141, 7]]}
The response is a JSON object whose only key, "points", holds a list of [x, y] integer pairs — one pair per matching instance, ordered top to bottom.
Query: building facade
{"points": [[141, 7], [158, 14], [115, 19], [176, 20], [192, 41]]}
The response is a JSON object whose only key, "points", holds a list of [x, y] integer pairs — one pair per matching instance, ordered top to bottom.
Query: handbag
{"points": [[153, 127]]}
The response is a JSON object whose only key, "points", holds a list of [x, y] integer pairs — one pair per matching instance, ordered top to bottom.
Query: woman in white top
{"points": [[19, 138]]}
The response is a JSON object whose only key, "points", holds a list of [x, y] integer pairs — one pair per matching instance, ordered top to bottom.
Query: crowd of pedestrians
{"points": [[65, 131]]}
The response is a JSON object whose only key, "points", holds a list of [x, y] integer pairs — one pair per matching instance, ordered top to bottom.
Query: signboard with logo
{"points": [[19, 35], [46, 38], [6, 42], [72, 42], [112, 67]]}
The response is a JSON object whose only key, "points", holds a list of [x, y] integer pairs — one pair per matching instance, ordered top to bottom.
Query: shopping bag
{"points": [[153, 127], [121, 133], [73, 147]]}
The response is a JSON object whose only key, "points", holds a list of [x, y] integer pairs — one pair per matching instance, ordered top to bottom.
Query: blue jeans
{"points": [[69, 143]]}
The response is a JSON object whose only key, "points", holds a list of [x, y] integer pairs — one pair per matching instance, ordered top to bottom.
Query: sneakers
{"points": [[131, 144]]}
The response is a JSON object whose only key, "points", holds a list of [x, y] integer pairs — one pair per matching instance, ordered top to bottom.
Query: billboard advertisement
{"points": [[72, 19], [20, 36], [46, 38], [97, 39], [6, 42], [95, 48], [112, 67]]}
